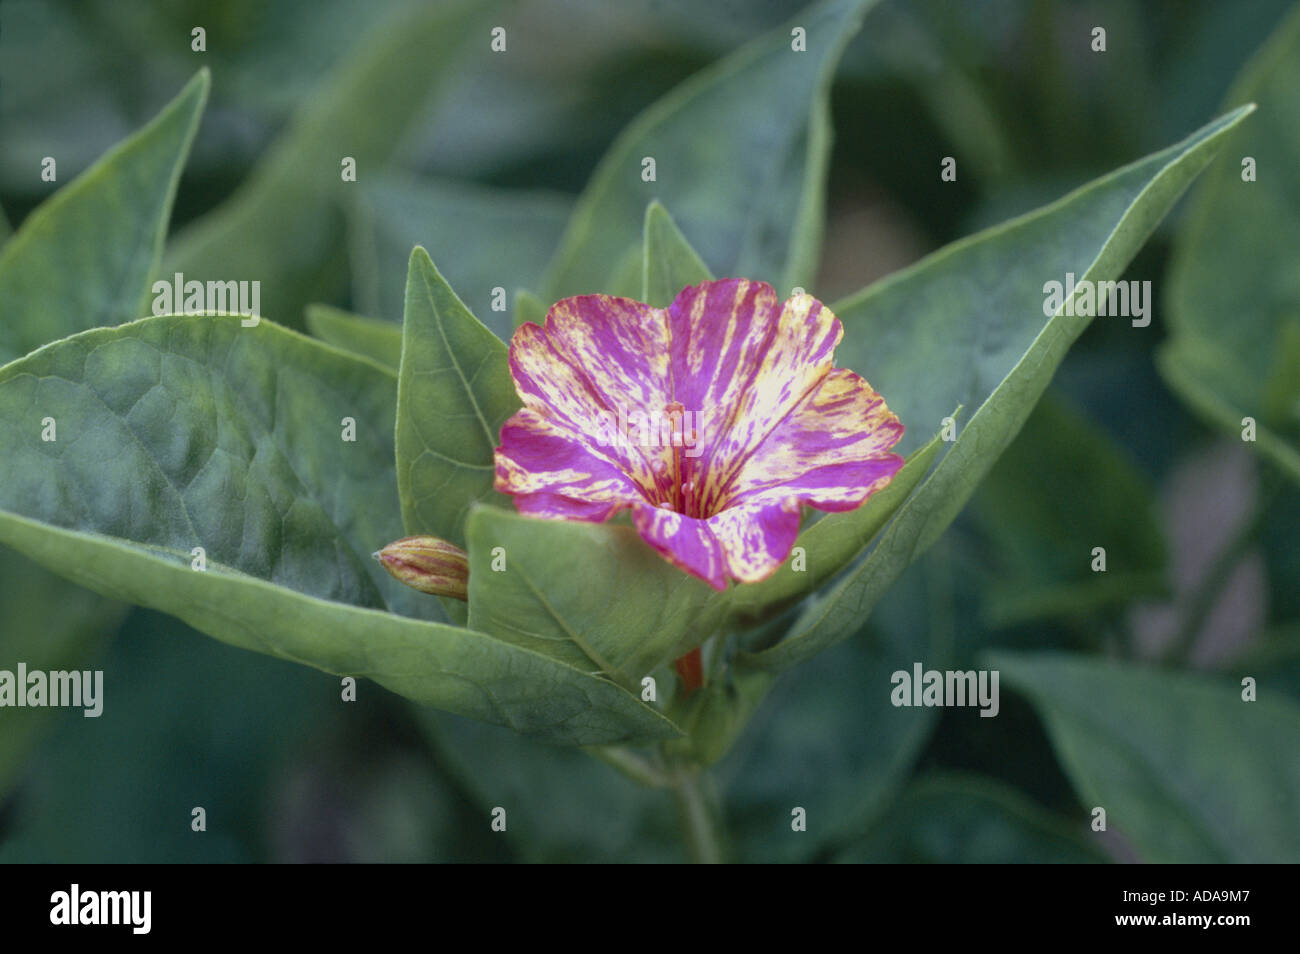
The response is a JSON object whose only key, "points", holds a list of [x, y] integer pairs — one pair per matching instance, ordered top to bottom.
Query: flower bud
{"points": [[428, 564]]}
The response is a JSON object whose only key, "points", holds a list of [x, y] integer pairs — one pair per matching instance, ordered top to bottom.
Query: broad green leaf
{"points": [[740, 152], [284, 226], [5, 228], [485, 239], [84, 257], [670, 264], [1234, 298], [965, 326], [380, 341], [454, 392], [185, 431], [268, 449], [1062, 488], [834, 541], [592, 595], [1186, 770], [956, 818]]}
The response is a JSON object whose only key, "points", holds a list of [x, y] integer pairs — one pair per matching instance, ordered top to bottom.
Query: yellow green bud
{"points": [[428, 564]]}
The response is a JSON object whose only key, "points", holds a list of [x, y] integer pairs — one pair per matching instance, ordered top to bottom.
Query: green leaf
{"points": [[755, 124], [284, 226], [5, 228], [483, 238], [84, 257], [670, 264], [1234, 299], [528, 307], [965, 326], [380, 341], [1202, 375], [454, 392], [185, 431], [1062, 488], [592, 595], [50, 625], [161, 680], [1186, 769], [957, 818]]}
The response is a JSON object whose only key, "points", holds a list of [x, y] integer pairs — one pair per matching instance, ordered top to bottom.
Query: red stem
{"points": [[691, 669]]}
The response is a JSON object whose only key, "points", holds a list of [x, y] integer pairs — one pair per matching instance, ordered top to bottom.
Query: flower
{"points": [[712, 420], [429, 564]]}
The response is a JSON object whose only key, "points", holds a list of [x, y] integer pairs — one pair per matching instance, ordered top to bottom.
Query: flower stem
{"points": [[1221, 571], [691, 669], [698, 818]]}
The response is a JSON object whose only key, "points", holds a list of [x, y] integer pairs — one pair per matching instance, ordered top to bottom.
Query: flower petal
{"points": [[598, 359], [740, 364], [831, 451], [539, 456], [757, 537], [684, 541]]}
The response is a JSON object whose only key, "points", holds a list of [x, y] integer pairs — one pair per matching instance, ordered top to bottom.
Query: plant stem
{"points": [[1221, 572], [690, 668], [634, 766], [697, 816]]}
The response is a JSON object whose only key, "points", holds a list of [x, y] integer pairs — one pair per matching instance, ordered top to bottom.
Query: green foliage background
{"points": [[1119, 689]]}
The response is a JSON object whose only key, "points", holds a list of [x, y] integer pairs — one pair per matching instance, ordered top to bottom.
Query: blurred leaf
{"points": [[753, 124], [284, 225], [5, 228], [482, 238], [84, 258], [670, 263], [1235, 291], [528, 307], [965, 326], [380, 341], [454, 392], [186, 431], [1060, 489], [592, 595], [50, 625], [1273, 661], [193, 717], [828, 739], [1187, 770], [561, 805], [967, 819]]}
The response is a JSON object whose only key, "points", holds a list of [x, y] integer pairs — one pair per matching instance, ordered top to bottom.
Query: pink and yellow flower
{"points": [[713, 420]]}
